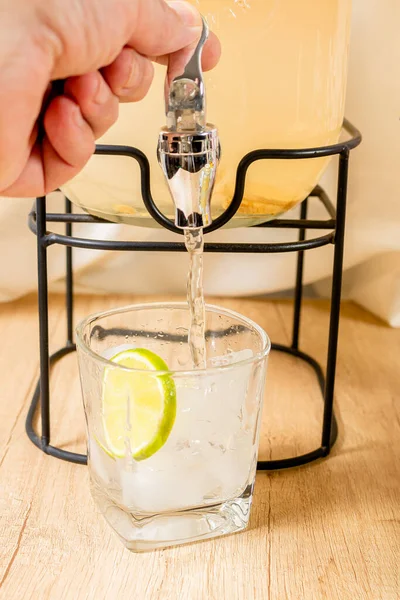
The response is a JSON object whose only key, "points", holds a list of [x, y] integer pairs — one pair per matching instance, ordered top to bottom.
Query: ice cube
{"points": [[109, 353], [230, 358], [100, 462], [179, 488]]}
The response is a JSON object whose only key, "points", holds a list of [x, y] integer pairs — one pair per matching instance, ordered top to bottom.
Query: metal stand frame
{"points": [[39, 219]]}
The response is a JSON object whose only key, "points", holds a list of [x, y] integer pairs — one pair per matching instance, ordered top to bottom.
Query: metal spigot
{"points": [[188, 148]]}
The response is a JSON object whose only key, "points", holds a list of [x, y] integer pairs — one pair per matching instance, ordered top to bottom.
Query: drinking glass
{"points": [[197, 481]]}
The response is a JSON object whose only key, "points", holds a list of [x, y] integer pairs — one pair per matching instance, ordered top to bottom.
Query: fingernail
{"points": [[188, 14], [133, 71], [102, 94]]}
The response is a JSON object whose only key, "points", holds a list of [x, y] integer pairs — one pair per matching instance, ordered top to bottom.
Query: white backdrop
{"points": [[372, 258]]}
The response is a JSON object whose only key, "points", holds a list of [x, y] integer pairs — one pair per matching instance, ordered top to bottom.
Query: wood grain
{"points": [[326, 531]]}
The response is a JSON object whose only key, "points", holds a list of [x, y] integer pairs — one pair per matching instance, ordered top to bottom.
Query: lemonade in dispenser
{"points": [[280, 83]]}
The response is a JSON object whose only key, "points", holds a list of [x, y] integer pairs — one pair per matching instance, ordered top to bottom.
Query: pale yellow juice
{"points": [[280, 84]]}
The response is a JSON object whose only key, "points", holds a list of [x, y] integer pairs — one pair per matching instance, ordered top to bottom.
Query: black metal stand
{"points": [[335, 224]]}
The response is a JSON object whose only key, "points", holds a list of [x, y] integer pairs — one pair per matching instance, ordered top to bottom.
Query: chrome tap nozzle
{"points": [[188, 148]]}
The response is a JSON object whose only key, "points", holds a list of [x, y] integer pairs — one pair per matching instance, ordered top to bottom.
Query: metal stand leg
{"points": [[69, 291], [298, 296], [335, 301], [43, 322], [42, 391]]}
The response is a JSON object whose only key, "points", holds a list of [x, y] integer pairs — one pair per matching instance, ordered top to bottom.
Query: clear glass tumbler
{"points": [[189, 473]]}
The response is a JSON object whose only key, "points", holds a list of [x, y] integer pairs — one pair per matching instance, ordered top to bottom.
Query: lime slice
{"points": [[138, 408]]}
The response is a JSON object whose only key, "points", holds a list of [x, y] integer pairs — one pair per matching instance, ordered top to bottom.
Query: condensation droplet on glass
{"points": [[210, 389], [182, 444]]}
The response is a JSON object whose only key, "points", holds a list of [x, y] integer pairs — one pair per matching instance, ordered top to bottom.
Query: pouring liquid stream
{"points": [[194, 243]]}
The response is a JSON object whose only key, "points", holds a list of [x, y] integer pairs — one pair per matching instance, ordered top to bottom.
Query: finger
{"points": [[151, 27], [161, 28], [211, 52], [210, 55], [129, 76], [98, 104], [68, 133], [67, 146], [30, 182]]}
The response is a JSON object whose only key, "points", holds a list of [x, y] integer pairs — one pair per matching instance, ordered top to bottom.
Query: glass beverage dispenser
{"points": [[280, 84]]}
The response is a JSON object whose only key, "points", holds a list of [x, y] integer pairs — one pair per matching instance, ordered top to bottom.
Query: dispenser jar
{"points": [[280, 84]]}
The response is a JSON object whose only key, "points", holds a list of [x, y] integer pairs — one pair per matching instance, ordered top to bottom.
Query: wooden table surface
{"points": [[328, 530]]}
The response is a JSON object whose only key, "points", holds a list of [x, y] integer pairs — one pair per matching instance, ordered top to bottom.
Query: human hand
{"points": [[103, 49]]}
